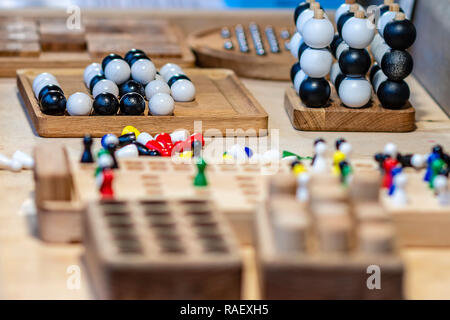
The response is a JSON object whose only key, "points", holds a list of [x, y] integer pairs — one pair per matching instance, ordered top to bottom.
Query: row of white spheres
{"points": [[181, 90]]}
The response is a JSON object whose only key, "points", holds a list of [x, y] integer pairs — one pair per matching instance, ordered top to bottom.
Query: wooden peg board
{"points": [[49, 43], [208, 46], [221, 102], [336, 117], [235, 189], [423, 221], [161, 249], [319, 250]]}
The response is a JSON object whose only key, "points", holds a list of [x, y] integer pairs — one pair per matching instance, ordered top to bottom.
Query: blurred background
{"points": [[169, 4]]}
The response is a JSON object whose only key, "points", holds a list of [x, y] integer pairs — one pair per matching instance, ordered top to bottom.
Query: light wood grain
{"points": [[221, 103]]}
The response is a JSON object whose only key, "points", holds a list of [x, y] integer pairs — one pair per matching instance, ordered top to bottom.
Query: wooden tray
{"points": [[48, 43], [208, 48], [222, 102], [336, 117], [64, 188], [161, 249], [299, 254]]}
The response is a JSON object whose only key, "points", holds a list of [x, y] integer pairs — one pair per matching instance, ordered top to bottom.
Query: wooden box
{"points": [[161, 250]]}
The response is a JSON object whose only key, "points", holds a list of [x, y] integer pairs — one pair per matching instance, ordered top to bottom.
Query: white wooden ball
{"points": [[344, 8], [387, 17], [302, 19], [318, 33], [358, 33], [295, 43], [341, 48], [380, 51], [316, 63], [172, 67], [91, 69], [118, 71], [143, 71], [335, 71], [170, 73], [40, 77], [298, 79], [378, 79], [44, 82], [105, 85], [154, 87], [183, 90], [355, 92], [79, 104], [161, 104], [144, 137], [390, 149], [129, 151]]}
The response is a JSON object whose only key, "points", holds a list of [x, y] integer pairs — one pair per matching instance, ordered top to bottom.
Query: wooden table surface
{"points": [[31, 269]]}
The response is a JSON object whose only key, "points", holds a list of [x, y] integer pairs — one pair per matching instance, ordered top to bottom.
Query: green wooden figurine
{"points": [[200, 178]]}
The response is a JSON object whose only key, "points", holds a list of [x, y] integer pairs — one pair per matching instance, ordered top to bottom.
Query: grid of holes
{"points": [[152, 184], [249, 188], [161, 221], [204, 225], [121, 227]]}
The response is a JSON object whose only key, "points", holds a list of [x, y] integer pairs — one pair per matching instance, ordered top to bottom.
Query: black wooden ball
{"points": [[299, 9], [342, 20], [400, 35], [337, 40], [302, 49], [131, 53], [110, 57], [136, 57], [354, 62], [397, 64], [294, 69], [373, 72], [94, 81], [338, 81], [131, 86], [47, 88], [315, 92], [393, 94], [53, 103], [106, 104], [132, 104]]}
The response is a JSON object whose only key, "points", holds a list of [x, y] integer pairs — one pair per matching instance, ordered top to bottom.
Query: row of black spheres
{"points": [[315, 38], [132, 78]]}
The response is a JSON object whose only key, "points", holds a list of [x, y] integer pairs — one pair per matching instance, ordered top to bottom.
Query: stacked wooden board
{"points": [[55, 42]]}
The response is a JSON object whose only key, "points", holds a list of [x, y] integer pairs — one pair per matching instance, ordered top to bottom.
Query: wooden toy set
{"points": [[50, 43], [252, 51], [221, 102], [350, 104], [64, 187], [323, 248], [161, 249]]}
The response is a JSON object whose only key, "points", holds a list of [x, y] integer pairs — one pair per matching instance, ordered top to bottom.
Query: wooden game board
{"points": [[48, 43], [208, 48], [222, 102], [336, 117], [63, 189], [161, 249], [322, 249]]}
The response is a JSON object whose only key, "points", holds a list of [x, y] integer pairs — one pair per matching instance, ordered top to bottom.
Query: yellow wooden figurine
{"points": [[130, 129], [298, 168]]}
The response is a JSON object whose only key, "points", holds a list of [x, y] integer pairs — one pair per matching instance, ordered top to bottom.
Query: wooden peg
{"points": [[310, 1], [350, 1], [388, 2], [314, 6], [395, 7], [354, 8], [318, 14], [360, 14], [400, 16]]}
